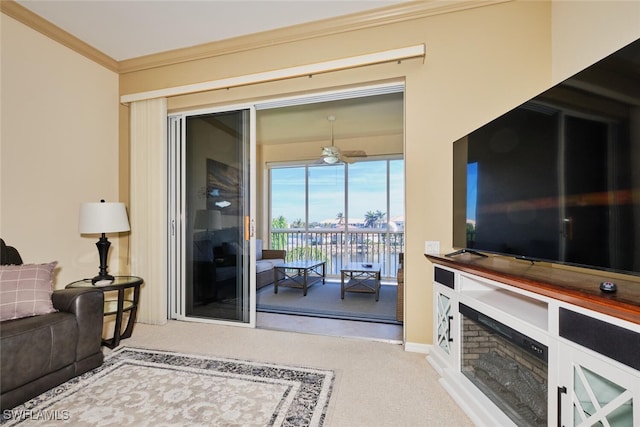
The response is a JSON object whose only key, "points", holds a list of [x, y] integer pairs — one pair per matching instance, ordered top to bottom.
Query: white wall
{"points": [[584, 32], [58, 148]]}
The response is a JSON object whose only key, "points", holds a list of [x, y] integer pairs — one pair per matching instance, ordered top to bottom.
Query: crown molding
{"points": [[401, 12], [383, 16], [30, 19]]}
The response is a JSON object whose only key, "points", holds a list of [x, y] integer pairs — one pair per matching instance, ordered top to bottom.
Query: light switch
{"points": [[432, 247]]}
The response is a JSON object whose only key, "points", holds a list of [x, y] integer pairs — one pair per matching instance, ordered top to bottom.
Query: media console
{"points": [[535, 345]]}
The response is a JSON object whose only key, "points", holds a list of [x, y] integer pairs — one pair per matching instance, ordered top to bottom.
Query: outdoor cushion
{"points": [[267, 264]]}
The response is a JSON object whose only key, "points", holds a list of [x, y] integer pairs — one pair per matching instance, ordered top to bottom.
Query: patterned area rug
{"points": [[155, 388]]}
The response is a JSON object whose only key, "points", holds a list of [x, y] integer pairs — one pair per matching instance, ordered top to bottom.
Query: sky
{"points": [[367, 190]]}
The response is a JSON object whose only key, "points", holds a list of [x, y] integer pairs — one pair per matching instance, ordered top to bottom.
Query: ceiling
{"points": [[125, 29], [354, 118]]}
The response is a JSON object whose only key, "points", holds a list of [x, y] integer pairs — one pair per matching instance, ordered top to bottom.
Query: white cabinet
{"points": [[445, 308], [592, 369], [598, 380], [593, 391]]}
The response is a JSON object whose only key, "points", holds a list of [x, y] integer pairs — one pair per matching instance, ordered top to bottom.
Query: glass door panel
{"points": [[367, 207], [288, 210], [215, 214], [326, 215], [444, 316], [596, 399]]}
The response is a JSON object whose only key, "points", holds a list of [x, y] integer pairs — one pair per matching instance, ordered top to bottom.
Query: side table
{"points": [[307, 273], [358, 277], [118, 306]]}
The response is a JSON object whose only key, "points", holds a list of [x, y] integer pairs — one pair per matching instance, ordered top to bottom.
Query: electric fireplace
{"points": [[510, 368]]}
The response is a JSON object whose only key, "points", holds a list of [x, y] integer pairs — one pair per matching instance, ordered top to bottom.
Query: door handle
{"points": [[249, 228], [449, 319], [561, 390]]}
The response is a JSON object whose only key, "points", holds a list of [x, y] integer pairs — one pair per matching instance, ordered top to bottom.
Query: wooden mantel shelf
{"points": [[578, 288]]}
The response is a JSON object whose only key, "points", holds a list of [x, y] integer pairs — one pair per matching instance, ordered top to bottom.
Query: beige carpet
{"points": [[376, 384]]}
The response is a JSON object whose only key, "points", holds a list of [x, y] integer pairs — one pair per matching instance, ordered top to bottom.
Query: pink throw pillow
{"points": [[25, 290]]}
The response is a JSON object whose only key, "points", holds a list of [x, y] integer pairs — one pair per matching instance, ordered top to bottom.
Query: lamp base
{"points": [[103, 250], [100, 278]]}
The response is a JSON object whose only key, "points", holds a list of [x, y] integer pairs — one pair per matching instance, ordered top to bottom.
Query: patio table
{"points": [[299, 274], [361, 278]]}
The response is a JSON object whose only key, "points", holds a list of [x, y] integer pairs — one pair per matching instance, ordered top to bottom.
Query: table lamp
{"points": [[103, 218], [207, 219]]}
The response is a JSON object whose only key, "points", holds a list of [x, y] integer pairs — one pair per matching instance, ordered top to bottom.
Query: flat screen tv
{"points": [[558, 178]]}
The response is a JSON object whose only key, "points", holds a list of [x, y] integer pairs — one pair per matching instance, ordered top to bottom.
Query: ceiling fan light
{"points": [[331, 160]]}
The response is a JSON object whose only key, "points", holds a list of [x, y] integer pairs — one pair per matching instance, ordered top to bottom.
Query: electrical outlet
{"points": [[432, 247]]}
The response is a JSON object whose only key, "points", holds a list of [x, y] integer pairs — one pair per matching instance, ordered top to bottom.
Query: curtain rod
{"points": [[416, 51]]}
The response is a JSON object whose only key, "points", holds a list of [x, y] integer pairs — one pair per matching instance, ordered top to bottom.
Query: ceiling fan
{"points": [[332, 154]]}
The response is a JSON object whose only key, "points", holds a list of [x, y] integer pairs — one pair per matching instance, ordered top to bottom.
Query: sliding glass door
{"points": [[211, 226]]}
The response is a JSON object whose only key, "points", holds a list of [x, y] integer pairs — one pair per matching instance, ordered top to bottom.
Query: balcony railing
{"points": [[339, 248]]}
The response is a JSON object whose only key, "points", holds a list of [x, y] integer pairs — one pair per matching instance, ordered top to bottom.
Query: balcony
{"points": [[339, 247]]}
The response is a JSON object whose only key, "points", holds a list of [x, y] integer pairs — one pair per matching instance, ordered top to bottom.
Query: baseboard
{"points": [[152, 321], [417, 347], [437, 363]]}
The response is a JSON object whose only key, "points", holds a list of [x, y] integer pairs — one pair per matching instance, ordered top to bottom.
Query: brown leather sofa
{"points": [[40, 352]]}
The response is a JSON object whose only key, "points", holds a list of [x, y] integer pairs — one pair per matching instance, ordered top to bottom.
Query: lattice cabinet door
{"points": [[446, 314], [595, 391]]}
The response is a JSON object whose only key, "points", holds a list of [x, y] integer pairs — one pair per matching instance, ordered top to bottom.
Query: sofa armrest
{"points": [[274, 254], [87, 304]]}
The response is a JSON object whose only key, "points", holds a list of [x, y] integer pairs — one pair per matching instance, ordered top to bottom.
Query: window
{"points": [[339, 213]]}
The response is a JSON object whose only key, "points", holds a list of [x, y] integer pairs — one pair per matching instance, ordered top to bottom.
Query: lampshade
{"points": [[102, 217], [207, 219]]}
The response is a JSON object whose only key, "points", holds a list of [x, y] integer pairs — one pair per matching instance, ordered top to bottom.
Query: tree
{"points": [[380, 218], [369, 219], [373, 219], [279, 222], [298, 223], [278, 240]]}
